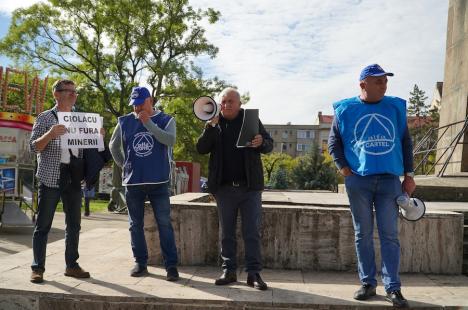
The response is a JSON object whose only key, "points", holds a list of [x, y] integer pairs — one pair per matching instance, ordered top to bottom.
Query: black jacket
{"points": [[210, 142], [94, 162]]}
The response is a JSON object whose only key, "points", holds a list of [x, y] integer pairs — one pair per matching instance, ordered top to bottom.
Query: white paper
{"points": [[83, 130]]}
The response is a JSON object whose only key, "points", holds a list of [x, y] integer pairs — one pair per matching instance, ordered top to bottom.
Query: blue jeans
{"points": [[377, 192], [158, 195], [48, 198], [229, 201]]}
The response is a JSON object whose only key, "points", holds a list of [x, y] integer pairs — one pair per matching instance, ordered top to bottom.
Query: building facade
{"points": [[296, 140]]}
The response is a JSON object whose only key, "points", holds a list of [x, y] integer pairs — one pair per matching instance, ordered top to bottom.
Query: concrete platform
{"points": [[106, 253]]}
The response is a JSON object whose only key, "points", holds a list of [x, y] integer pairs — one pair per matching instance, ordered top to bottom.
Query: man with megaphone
{"points": [[371, 146], [235, 178]]}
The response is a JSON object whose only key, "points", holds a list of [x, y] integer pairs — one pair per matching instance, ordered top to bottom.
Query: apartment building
{"points": [[296, 140]]}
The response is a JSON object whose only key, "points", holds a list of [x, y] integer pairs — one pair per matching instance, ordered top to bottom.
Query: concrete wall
{"points": [[455, 89], [313, 238]]}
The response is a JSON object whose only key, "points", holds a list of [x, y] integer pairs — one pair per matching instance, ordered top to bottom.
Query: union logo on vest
{"points": [[375, 134], [143, 144]]}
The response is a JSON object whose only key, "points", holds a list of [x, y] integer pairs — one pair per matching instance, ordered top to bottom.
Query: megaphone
{"points": [[205, 108], [412, 209]]}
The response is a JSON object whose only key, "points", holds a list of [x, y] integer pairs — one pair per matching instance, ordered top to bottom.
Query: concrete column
{"points": [[454, 107]]}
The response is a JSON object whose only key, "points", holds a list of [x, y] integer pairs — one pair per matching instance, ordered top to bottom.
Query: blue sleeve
{"points": [[335, 146], [407, 147]]}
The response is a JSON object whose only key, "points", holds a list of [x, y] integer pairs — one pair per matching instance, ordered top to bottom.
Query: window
{"points": [[285, 134], [305, 134], [284, 146], [303, 147]]}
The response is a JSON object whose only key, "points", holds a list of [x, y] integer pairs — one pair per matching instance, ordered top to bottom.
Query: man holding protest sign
{"points": [[140, 144], [56, 182]]}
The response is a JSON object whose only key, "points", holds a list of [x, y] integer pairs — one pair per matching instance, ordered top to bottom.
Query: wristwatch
{"points": [[409, 174]]}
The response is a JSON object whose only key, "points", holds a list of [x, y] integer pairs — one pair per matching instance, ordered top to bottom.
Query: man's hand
{"points": [[143, 116], [213, 122], [57, 130], [103, 132], [256, 141], [346, 171], [408, 185]]}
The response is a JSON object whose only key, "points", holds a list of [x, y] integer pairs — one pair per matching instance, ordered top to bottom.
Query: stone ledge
{"points": [[310, 238]]}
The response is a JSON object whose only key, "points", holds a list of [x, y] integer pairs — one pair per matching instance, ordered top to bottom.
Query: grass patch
{"points": [[95, 206]]}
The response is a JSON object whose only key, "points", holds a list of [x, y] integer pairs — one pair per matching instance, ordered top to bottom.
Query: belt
{"points": [[236, 183]]}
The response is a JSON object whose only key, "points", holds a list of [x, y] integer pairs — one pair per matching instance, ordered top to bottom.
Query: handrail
{"points": [[455, 141]]}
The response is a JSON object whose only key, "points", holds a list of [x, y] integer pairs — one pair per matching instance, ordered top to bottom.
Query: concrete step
{"points": [[106, 254]]}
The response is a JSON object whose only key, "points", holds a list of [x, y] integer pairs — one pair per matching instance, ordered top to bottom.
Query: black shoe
{"points": [[138, 271], [172, 274], [226, 278], [254, 280], [365, 292], [397, 299]]}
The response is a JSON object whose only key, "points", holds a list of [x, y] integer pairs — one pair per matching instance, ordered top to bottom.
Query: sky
{"points": [[295, 58]]}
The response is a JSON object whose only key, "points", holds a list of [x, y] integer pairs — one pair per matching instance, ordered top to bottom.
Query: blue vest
{"points": [[372, 134], [147, 161]]}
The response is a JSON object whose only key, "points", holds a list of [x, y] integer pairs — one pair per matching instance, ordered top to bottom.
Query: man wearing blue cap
{"points": [[141, 145], [372, 148]]}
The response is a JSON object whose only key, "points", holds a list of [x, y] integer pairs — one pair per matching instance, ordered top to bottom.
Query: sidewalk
{"points": [[105, 252]]}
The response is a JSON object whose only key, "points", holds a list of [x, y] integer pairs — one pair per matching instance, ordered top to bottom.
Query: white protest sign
{"points": [[83, 130]]}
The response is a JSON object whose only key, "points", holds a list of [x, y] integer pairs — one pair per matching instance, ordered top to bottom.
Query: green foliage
{"points": [[112, 44], [417, 105], [273, 161], [312, 172], [279, 178]]}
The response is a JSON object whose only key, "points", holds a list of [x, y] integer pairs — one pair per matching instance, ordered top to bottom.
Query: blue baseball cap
{"points": [[373, 70], [138, 96]]}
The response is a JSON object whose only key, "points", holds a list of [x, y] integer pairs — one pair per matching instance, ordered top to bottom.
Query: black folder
{"points": [[249, 128]]}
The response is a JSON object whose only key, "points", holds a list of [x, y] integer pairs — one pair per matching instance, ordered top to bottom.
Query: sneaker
{"points": [[138, 271], [76, 272], [172, 274], [37, 276], [226, 278], [254, 280], [365, 292], [397, 299]]}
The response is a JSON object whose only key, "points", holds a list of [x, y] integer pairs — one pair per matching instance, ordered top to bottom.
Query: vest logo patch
{"points": [[375, 134], [143, 144]]}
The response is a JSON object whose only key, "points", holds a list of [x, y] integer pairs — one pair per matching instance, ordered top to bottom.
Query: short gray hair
{"points": [[227, 90]]}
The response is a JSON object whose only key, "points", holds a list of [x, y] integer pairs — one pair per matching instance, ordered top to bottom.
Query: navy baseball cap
{"points": [[373, 70], [138, 96]]}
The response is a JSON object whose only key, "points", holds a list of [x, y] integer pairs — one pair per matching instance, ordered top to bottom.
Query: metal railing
{"points": [[427, 146]]}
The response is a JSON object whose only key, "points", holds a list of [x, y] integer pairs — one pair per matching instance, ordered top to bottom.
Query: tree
{"points": [[113, 44], [417, 105], [272, 161], [312, 172], [279, 178]]}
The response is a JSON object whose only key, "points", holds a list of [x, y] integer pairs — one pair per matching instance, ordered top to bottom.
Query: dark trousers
{"points": [[158, 195], [48, 198], [229, 201]]}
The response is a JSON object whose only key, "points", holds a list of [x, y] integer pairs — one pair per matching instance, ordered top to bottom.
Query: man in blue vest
{"points": [[141, 145], [371, 146]]}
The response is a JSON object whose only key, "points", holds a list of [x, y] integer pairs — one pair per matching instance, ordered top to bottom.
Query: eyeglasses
{"points": [[71, 91]]}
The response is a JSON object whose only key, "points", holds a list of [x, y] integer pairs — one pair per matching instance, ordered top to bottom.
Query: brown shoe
{"points": [[76, 272], [37, 276]]}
